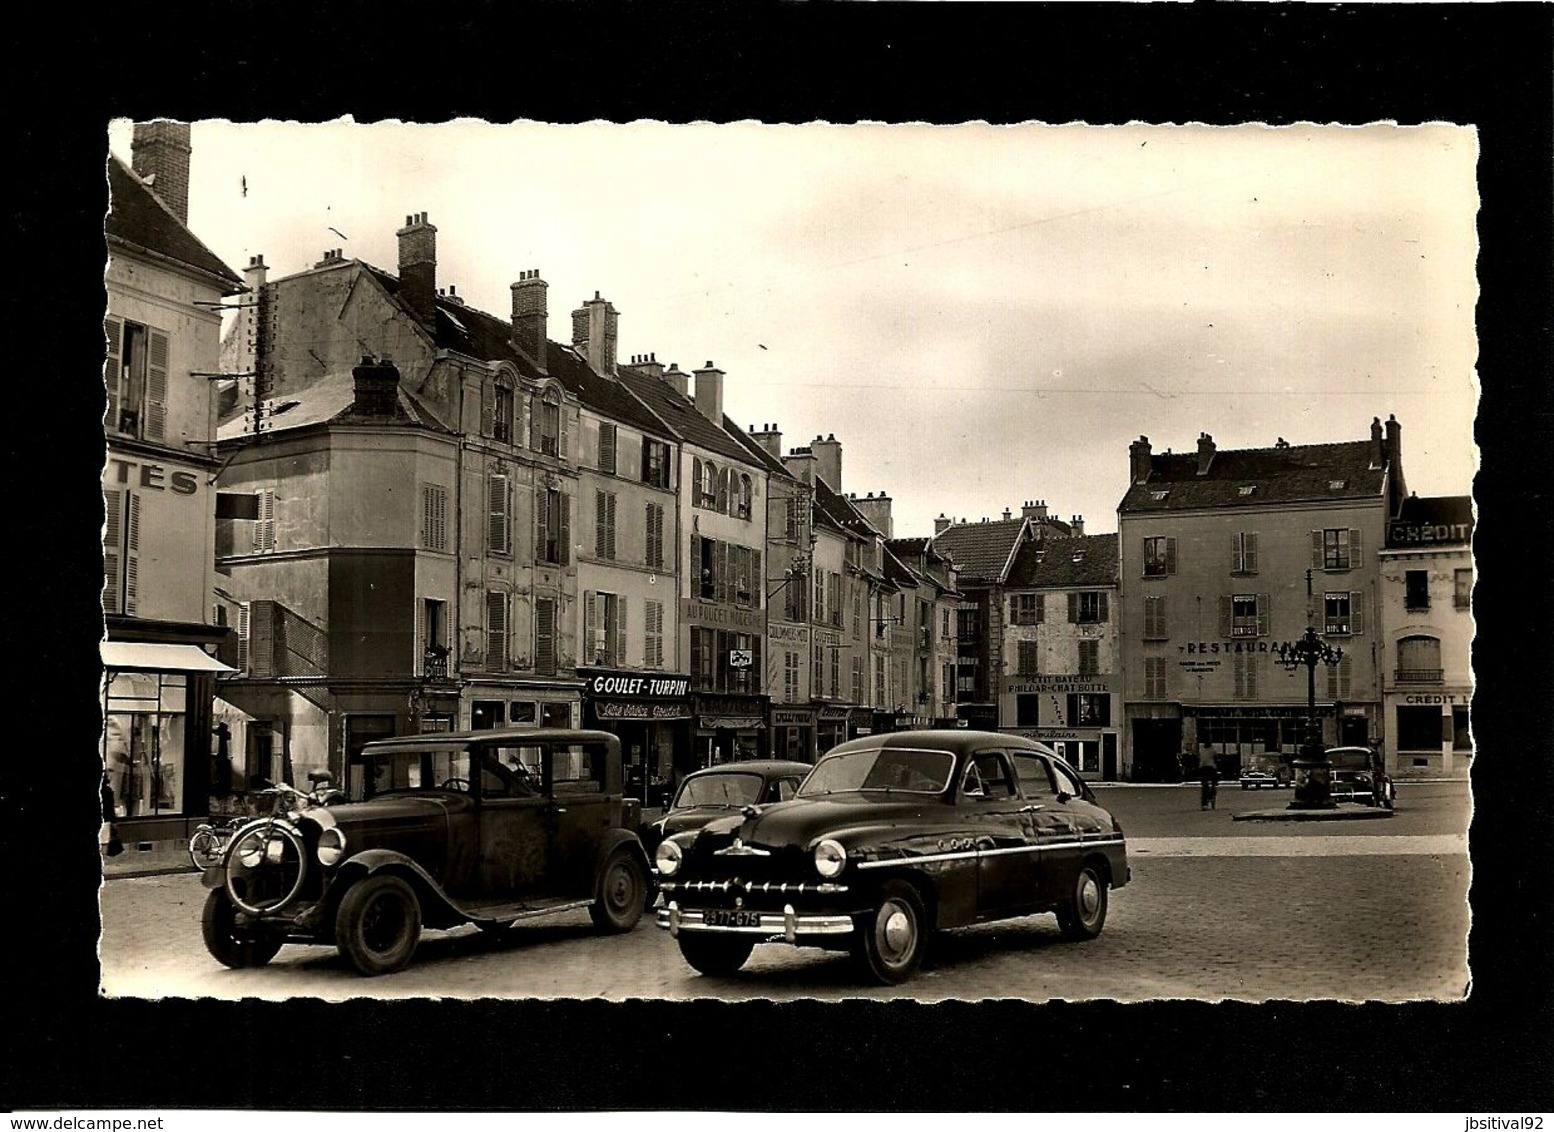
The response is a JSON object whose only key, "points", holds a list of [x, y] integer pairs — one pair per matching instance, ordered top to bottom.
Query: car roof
{"points": [[434, 740], [955, 740], [766, 767]]}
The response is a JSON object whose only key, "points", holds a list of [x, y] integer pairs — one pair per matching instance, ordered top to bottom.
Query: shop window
{"points": [[1159, 557], [1416, 590], [1089, 709], [1027, 710], [522, 711], [486, 714], [556, 715], [1420, 728], [1461, 737], [143, 742]]}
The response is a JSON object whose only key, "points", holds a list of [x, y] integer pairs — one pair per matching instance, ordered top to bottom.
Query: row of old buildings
{"points": [[371, 508]]}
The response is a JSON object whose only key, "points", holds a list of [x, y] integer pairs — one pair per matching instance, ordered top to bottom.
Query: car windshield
{"points": [[409, 770], [906, 770], [732, 788]]}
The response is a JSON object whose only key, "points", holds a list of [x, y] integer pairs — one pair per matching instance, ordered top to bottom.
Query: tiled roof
{"points": [[137, 217], [331, 400], [682, 415], [1293, 473], [839, 511], [912, 547], [981, 551], [1083, 560]]}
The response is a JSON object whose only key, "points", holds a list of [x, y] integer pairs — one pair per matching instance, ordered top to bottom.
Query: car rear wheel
{"points": [[622, 894], [1084, 914], [379, 925], [893, 938], [231, 945], [716, 954]]}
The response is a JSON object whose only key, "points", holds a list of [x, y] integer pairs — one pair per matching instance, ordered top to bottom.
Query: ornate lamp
{"points": [[1313, 773]]}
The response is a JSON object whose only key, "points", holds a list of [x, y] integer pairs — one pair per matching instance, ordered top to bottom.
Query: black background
{"points": [[1487, 65]]}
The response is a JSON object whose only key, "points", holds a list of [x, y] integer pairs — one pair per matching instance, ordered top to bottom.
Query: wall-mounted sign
{"points": [[150, 477], [1405, 534], [722, 616], [796, 633], [740, 658], [1199, 667], [634, 684], [1058, 684], [637, 709], [791, 717]]}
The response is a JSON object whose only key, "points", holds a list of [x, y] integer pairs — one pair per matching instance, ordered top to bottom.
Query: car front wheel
{"points": [[622, 894], [1084, 913], [379, 925], [892, 939], [229, 944], [715, 954]]}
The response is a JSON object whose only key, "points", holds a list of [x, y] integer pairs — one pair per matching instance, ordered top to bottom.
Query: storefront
{"points": [[521, 703], [651, 712], [1072, 714], [728, 728], [831, 728], [793, 732], [1428, 733], [1242, 736], [158, 745]]}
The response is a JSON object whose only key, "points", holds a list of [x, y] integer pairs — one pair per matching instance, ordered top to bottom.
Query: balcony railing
{"points": [[1419, 675]]}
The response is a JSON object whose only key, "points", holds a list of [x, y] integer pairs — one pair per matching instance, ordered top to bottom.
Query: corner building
{"points": [[1223, 556]]}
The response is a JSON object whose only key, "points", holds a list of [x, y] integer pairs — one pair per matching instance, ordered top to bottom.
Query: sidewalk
{"points": [[160, 858]]}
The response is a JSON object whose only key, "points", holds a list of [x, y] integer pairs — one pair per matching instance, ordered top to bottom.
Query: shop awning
{"points": [[152, 656], [730, 722]]}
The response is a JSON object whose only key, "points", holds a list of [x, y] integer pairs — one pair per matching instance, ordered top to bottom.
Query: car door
{"points": [[580, 808], [511, 814], [1085, 822], [1051, 825], [1006, 860]]}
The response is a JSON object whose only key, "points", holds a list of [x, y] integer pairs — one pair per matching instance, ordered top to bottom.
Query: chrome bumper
{"points": [[787, 923]]}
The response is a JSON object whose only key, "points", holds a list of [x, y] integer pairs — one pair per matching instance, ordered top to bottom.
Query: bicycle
{"points": [[208, 845]]}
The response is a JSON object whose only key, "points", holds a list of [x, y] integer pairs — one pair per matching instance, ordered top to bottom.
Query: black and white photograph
{"points": [[828, 561], [696, 563]]}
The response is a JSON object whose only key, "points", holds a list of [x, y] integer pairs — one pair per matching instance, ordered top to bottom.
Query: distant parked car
{"points": [[1257, 779], [721, 790], [478, 827], [889, 839]]}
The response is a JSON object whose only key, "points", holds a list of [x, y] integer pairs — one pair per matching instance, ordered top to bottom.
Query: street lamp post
{"points": [[1313, 772]]}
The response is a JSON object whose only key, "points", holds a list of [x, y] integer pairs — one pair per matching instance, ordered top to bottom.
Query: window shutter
{"points": [[113, 367], [156, 386], [487, 408], [535, 414], [561, 440], [607, 448], [696, 481], [720, 498], [599, 521], [541, 522], [609, 525], [264, 526], [497, 529], [564, 536], [112, 542], [1316, 550], [1251, 552], [1355, 553], [1170, 556], [1237, 556], [758, 587], [1041, 608], [1073, 608], [1105, 608], [1264, 609], [1357, 612], [1224, 615], [244, 623], [590, 627], [496, 629], [620, 630], [545, 636], [1240, 671], [1251, 675]]}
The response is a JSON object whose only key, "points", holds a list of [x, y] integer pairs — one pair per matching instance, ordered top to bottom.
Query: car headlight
{"points": [[331, 847], [250, 851], [830, 858], [667, 859]]}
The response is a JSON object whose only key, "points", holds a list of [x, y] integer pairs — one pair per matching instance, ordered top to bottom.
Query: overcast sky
{"points": [[982, 315]]}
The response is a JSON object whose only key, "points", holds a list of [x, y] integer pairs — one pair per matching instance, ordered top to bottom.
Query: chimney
{"points": [[159, 154], [331, 257], [418, 268], [529, 315], [247, 324], [594, 328], [648, 364], [678, 379], [377, 388], [709, 393], [768, 438], [1378, 446], [1205, 453], [828, 460], [1138, 460], [801, 464], [1398, 488], [876, 509], [1033, 509], [1006, 514], [941, 524], [1077, 526]]}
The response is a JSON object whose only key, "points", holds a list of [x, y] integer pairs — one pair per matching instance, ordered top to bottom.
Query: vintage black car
{"points": [[1358, 775], [720, 790], [480, 827], [890, 838]]}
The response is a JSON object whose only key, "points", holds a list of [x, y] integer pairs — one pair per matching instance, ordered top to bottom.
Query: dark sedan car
{"points": [[721, 790], [479, 827], [890, 838]]}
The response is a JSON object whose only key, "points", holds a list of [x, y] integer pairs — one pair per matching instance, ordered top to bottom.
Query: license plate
{"points": [[727, 918]]}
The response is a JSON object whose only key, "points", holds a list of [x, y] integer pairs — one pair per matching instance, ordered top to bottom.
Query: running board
{"points": [[509, 913]]}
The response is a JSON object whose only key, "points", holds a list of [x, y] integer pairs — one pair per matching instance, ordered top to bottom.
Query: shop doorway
{"points": [[1157, 746]]}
